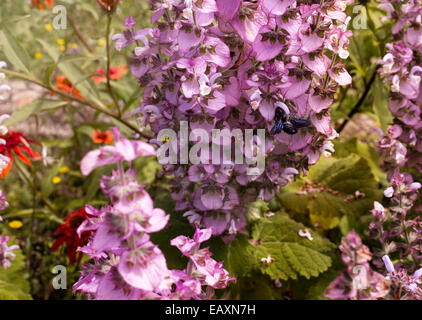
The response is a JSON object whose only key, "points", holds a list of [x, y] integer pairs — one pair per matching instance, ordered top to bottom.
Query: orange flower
{"points": [[40, 4], [115, 74], [65, 85], [102, 137]]}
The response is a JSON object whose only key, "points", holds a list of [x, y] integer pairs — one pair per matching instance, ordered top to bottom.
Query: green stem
{"points": [[79, 34], [110, 89], [83, 101], [357, 106], [34, 188]]}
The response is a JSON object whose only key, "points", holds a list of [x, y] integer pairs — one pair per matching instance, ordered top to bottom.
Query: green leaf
{"points": [[85, 5], [13, 51], [51, 51], [80, 81], [380, 107], [32, 108], [345, 148], [147, 168], [92, 183], [47, 186], [329, 191], [255, 210], [176, 226], [238, 256], [293, 256], [13, 285], [255, 287], [314, 288]]}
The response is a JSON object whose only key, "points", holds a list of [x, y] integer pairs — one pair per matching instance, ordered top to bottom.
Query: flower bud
{"points": [[108, 5]]}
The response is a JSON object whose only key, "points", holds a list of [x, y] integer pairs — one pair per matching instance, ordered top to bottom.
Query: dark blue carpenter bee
{"points": [[287, 124]]}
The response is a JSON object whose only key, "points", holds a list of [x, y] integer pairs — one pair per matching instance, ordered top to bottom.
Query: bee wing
{"points": [[300, 123], [277, 128], [289, 128]]}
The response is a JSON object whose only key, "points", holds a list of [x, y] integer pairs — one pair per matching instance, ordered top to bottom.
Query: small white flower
{"points": [[187, 13], [140, 50], [342, 53], [388, 62], [395, 84], [255, 99], [283, 106], [3, 129], [47, 160], [4, 161], [415, 186], [389, 192], [378, 206], [232, 229], [304, 233], [268, 260], [388, 264], [417, 274]]}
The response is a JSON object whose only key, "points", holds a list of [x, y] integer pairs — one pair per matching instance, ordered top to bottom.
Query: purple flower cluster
{"points": [[228, 65], [401, 68], [397, 228], [401, 236], [6, 252], [127, 265], [358, 281], [405, 287]]}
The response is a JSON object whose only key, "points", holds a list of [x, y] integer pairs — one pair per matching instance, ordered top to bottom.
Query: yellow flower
{"points": [[48, 27], [60, 42], [101, 42], [74, 45], [62, 48], [38, 55], [166, 139], [64, 169], [56, 180], [15, 224]]}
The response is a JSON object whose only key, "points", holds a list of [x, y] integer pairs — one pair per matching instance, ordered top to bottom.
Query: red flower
{"points": [[115, 74], [102, 137], [16, 143], [67, 233]]}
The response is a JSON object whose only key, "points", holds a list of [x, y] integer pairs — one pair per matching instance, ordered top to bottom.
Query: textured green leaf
{"points": [[344, 149], [328, 192], [256, 210], [237, 256], [293, 256]]}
